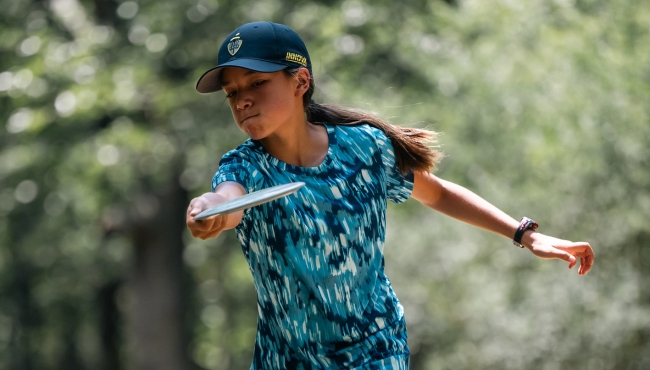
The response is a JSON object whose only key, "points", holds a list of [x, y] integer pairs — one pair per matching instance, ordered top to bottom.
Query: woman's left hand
{"points": [[545, 246]]}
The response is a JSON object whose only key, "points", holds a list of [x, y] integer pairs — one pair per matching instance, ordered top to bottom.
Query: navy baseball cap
{"points": [[258, 46]]}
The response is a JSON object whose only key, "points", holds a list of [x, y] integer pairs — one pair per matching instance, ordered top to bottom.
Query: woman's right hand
{"points": [[212, 227]]}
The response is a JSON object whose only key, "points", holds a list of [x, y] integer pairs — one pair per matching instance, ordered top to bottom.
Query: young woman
{"points": [[317, 256]]}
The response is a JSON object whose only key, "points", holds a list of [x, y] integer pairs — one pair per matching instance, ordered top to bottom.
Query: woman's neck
{"points": [[302, 145]]}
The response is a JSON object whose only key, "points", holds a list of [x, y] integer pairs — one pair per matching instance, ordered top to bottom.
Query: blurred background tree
{"points": [[544, 110]]}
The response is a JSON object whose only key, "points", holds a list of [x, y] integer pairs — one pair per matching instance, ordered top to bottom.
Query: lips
{"points": [[254, 115]]}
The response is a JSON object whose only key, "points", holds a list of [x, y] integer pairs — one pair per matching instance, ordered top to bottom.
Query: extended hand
{"points": [[204, 229], [545, 246]]}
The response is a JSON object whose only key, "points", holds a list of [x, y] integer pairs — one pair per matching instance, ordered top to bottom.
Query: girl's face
{"points": [[262, 103]]}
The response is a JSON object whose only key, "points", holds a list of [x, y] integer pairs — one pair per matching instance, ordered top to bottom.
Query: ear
{"points": [[303, 78]]}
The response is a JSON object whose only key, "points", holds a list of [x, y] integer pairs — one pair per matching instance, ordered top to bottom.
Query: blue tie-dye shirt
{"points": [[317, 255]]}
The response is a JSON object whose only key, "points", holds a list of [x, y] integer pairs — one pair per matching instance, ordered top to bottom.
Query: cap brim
{"points": [[210, 81]]}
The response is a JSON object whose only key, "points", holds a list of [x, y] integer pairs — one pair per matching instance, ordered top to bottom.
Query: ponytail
{"points": [[411, 145]]}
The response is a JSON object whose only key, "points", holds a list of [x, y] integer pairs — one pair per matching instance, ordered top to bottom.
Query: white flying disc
{"points": [[250, 200]]}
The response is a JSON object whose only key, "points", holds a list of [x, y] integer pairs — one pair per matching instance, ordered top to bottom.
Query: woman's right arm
{"points": [[212, 227]]}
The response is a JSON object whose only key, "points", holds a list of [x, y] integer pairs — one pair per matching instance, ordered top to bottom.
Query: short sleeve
{"points": [[233, 167], [398, 186]]}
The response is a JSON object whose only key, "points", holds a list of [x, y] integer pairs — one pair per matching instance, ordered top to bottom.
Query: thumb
{"points": [[197, 207], [566, 256]]}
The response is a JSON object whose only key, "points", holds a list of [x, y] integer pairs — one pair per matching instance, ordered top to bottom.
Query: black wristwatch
{"points": [[524, 224]]}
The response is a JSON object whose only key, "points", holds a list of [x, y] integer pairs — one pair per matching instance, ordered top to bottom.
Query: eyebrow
{"points": [[249, 72]]}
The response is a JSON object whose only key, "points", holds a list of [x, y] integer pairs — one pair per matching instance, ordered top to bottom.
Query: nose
{"points": [[243, 101]]}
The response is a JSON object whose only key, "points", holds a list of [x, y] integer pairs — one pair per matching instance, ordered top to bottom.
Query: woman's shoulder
{"points": [[246, 151]]}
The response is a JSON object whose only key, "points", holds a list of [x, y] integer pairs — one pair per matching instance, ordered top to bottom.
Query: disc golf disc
{"points": [[250, 200]]}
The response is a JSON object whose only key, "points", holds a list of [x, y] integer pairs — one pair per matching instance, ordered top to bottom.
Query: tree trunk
{"points": [[157, 284], [109, 326]]}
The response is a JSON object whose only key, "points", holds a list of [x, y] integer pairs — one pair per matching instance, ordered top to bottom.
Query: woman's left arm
{"points": [[455, 201]]}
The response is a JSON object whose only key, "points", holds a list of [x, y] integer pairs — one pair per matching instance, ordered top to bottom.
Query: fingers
{"points": [[197, 205], [195, 211], [201, 226], [197, 227], [216, 227], [203, 229], [206, 229], [212, 234], [548, 251], [567, 251], [583, 251], [586, 254], [565, 256], [573, 263], [587, 263]]}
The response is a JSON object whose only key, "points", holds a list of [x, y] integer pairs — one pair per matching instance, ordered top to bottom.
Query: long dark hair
{"points": [[413, 150]]}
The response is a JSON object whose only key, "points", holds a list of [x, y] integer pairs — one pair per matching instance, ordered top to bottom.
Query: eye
{"points": [[258, 83], [230, 94]]}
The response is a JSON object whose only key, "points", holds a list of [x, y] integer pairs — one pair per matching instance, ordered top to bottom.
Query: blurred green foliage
{"points": [[544, 110]]}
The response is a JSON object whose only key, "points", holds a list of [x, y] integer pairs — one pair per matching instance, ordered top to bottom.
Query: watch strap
{"points": [[524, 224]]}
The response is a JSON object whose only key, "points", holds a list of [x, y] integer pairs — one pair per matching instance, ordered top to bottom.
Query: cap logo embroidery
{"points": [[234, 45], [296, 58]]}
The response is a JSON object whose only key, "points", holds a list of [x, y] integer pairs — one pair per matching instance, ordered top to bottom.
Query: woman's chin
{"points": [[254, 134], [257, 137]]}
